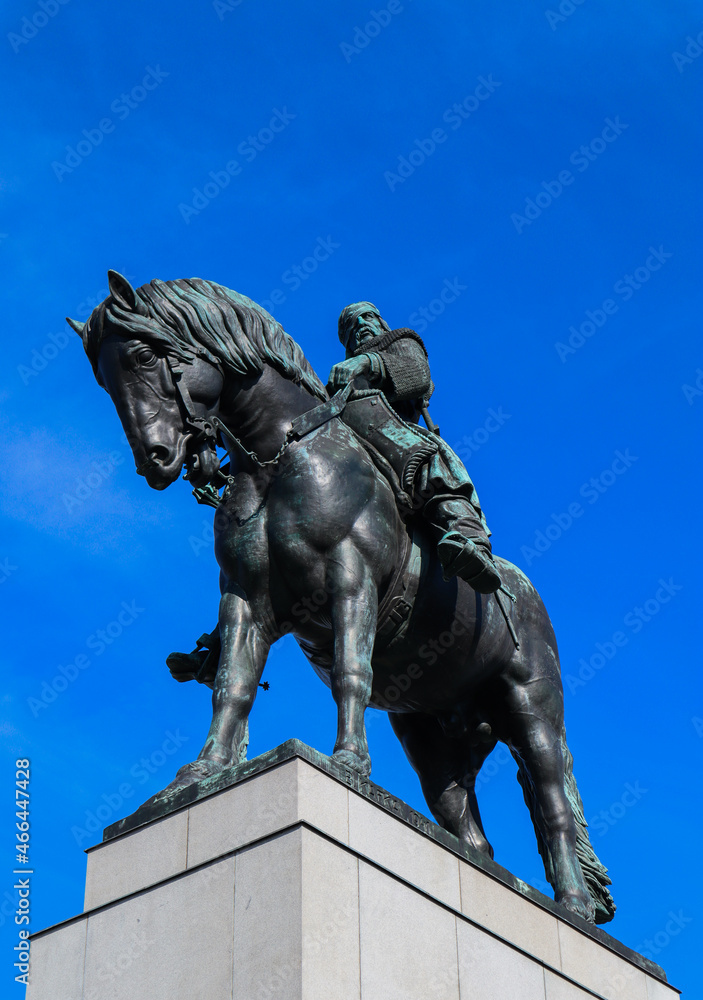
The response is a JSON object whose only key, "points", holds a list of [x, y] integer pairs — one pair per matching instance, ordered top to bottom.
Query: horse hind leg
{"points": [[537, 748], [476, 758], [446, 776], [594, 871]]}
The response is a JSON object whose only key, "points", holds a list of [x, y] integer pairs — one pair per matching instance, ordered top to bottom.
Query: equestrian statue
{"points": [[342, 521]]}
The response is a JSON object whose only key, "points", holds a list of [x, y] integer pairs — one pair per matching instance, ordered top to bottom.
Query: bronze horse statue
{"points": [[310, 539]]}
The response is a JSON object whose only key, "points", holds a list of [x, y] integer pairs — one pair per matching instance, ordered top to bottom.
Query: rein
{"points": [[302, 425], [224, 430]]}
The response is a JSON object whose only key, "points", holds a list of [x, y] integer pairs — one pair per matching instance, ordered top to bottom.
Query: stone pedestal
{"points": [[290, 878]]}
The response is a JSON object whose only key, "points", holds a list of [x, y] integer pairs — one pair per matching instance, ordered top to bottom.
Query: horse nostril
{"points": [[159, 454], [158, 457]]}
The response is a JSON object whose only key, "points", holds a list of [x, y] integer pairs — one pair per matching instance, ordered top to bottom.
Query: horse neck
{"points": [[260, 409]]}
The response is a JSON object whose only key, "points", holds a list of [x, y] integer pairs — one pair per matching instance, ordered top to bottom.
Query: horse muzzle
{"points": [[161, 467]]}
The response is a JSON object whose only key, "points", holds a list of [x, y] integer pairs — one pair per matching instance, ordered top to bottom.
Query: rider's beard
{"points": [[364, 336]]}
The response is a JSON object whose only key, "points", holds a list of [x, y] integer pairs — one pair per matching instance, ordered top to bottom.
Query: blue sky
{"points": [[515, 182]]}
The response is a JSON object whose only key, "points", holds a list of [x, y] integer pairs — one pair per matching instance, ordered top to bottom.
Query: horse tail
{"points": [[594, 871]]}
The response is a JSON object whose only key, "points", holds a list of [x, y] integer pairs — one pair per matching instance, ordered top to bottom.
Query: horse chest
{"points": [[321, 490], [244, 498], [240, 529]]}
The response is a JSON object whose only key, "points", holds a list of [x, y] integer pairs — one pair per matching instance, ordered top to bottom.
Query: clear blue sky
{"points": [[542, 172]]}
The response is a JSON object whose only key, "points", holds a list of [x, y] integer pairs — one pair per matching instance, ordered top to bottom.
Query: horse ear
{"points": [[122, 291], [76, 325]]}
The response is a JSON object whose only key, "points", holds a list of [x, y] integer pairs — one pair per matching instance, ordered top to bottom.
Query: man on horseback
{"points": [[395, 361]]}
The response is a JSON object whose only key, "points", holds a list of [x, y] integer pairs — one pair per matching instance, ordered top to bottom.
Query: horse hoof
{"points": [[352, 760], [203, 768], [191, 774], [580, 906]]}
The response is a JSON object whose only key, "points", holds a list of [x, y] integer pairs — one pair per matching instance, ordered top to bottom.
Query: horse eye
{"points": [[145, 357]]}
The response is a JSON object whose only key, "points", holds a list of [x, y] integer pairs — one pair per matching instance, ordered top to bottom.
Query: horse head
{"points": [[165, 396]]}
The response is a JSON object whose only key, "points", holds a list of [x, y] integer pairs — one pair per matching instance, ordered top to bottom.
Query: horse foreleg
{"points": [[354, 617], [242, 660]]}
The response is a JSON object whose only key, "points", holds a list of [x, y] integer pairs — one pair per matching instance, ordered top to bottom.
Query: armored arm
{"points": [[402, 371]]}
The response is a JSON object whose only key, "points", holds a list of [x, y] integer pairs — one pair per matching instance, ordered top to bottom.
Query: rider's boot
{"points": [[464, 549], [199, 665]]}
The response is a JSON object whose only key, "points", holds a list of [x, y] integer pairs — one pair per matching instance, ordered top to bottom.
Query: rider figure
{"points": [[395, 361]]}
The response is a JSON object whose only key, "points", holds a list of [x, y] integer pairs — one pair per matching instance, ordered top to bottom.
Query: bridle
{"points": [[201, 430], [204, 430]]}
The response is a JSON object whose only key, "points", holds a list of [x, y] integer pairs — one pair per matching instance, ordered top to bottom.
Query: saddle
{"points": [[397, 448], [397, 603]]}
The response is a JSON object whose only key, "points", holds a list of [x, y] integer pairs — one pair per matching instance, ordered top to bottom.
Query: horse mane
{"points": [[191, 317]]}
